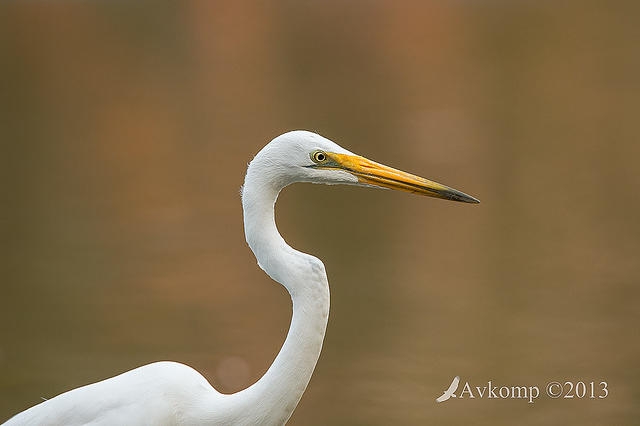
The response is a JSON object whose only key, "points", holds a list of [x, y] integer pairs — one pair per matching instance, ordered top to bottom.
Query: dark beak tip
{"points": [[464, 198]]}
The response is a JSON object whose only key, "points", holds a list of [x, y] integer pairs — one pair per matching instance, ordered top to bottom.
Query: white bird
{"points": [[172, 393], [449, 393]]}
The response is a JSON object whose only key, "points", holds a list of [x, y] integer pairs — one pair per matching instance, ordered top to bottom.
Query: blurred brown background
{"points": [[126, 130]]}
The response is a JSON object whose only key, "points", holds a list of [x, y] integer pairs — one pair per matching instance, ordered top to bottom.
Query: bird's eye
{"points": [[318, 157]]}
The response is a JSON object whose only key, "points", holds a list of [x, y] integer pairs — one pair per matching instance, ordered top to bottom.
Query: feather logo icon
{"points": [[450, 391]]}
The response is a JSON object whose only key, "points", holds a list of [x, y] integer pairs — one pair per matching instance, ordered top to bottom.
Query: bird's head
{"points": [[302, 156]]}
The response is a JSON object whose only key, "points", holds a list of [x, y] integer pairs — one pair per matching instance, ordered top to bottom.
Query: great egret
{"points": [[173, 393]]}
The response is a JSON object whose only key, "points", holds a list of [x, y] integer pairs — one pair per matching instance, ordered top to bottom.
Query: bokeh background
{"points": [[126, 130]]}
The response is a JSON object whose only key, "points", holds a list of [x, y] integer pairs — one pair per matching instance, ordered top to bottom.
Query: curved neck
{"points": [[272, 399]]}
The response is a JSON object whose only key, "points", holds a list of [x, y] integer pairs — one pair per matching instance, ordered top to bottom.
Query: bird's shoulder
{"points": [[145, 395]]}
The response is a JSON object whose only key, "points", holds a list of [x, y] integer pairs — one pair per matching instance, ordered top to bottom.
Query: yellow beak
{"points": [[371, 173]]}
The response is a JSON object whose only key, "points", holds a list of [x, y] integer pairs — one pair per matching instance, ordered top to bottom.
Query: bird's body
{"points": [[159, 388], [170, 393]]}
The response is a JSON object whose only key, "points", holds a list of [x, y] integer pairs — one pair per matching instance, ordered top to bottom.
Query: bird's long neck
{"points": [[274, 397]]}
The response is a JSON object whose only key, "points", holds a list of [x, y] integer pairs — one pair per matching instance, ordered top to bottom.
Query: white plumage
{"points": [[170, 393]]}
